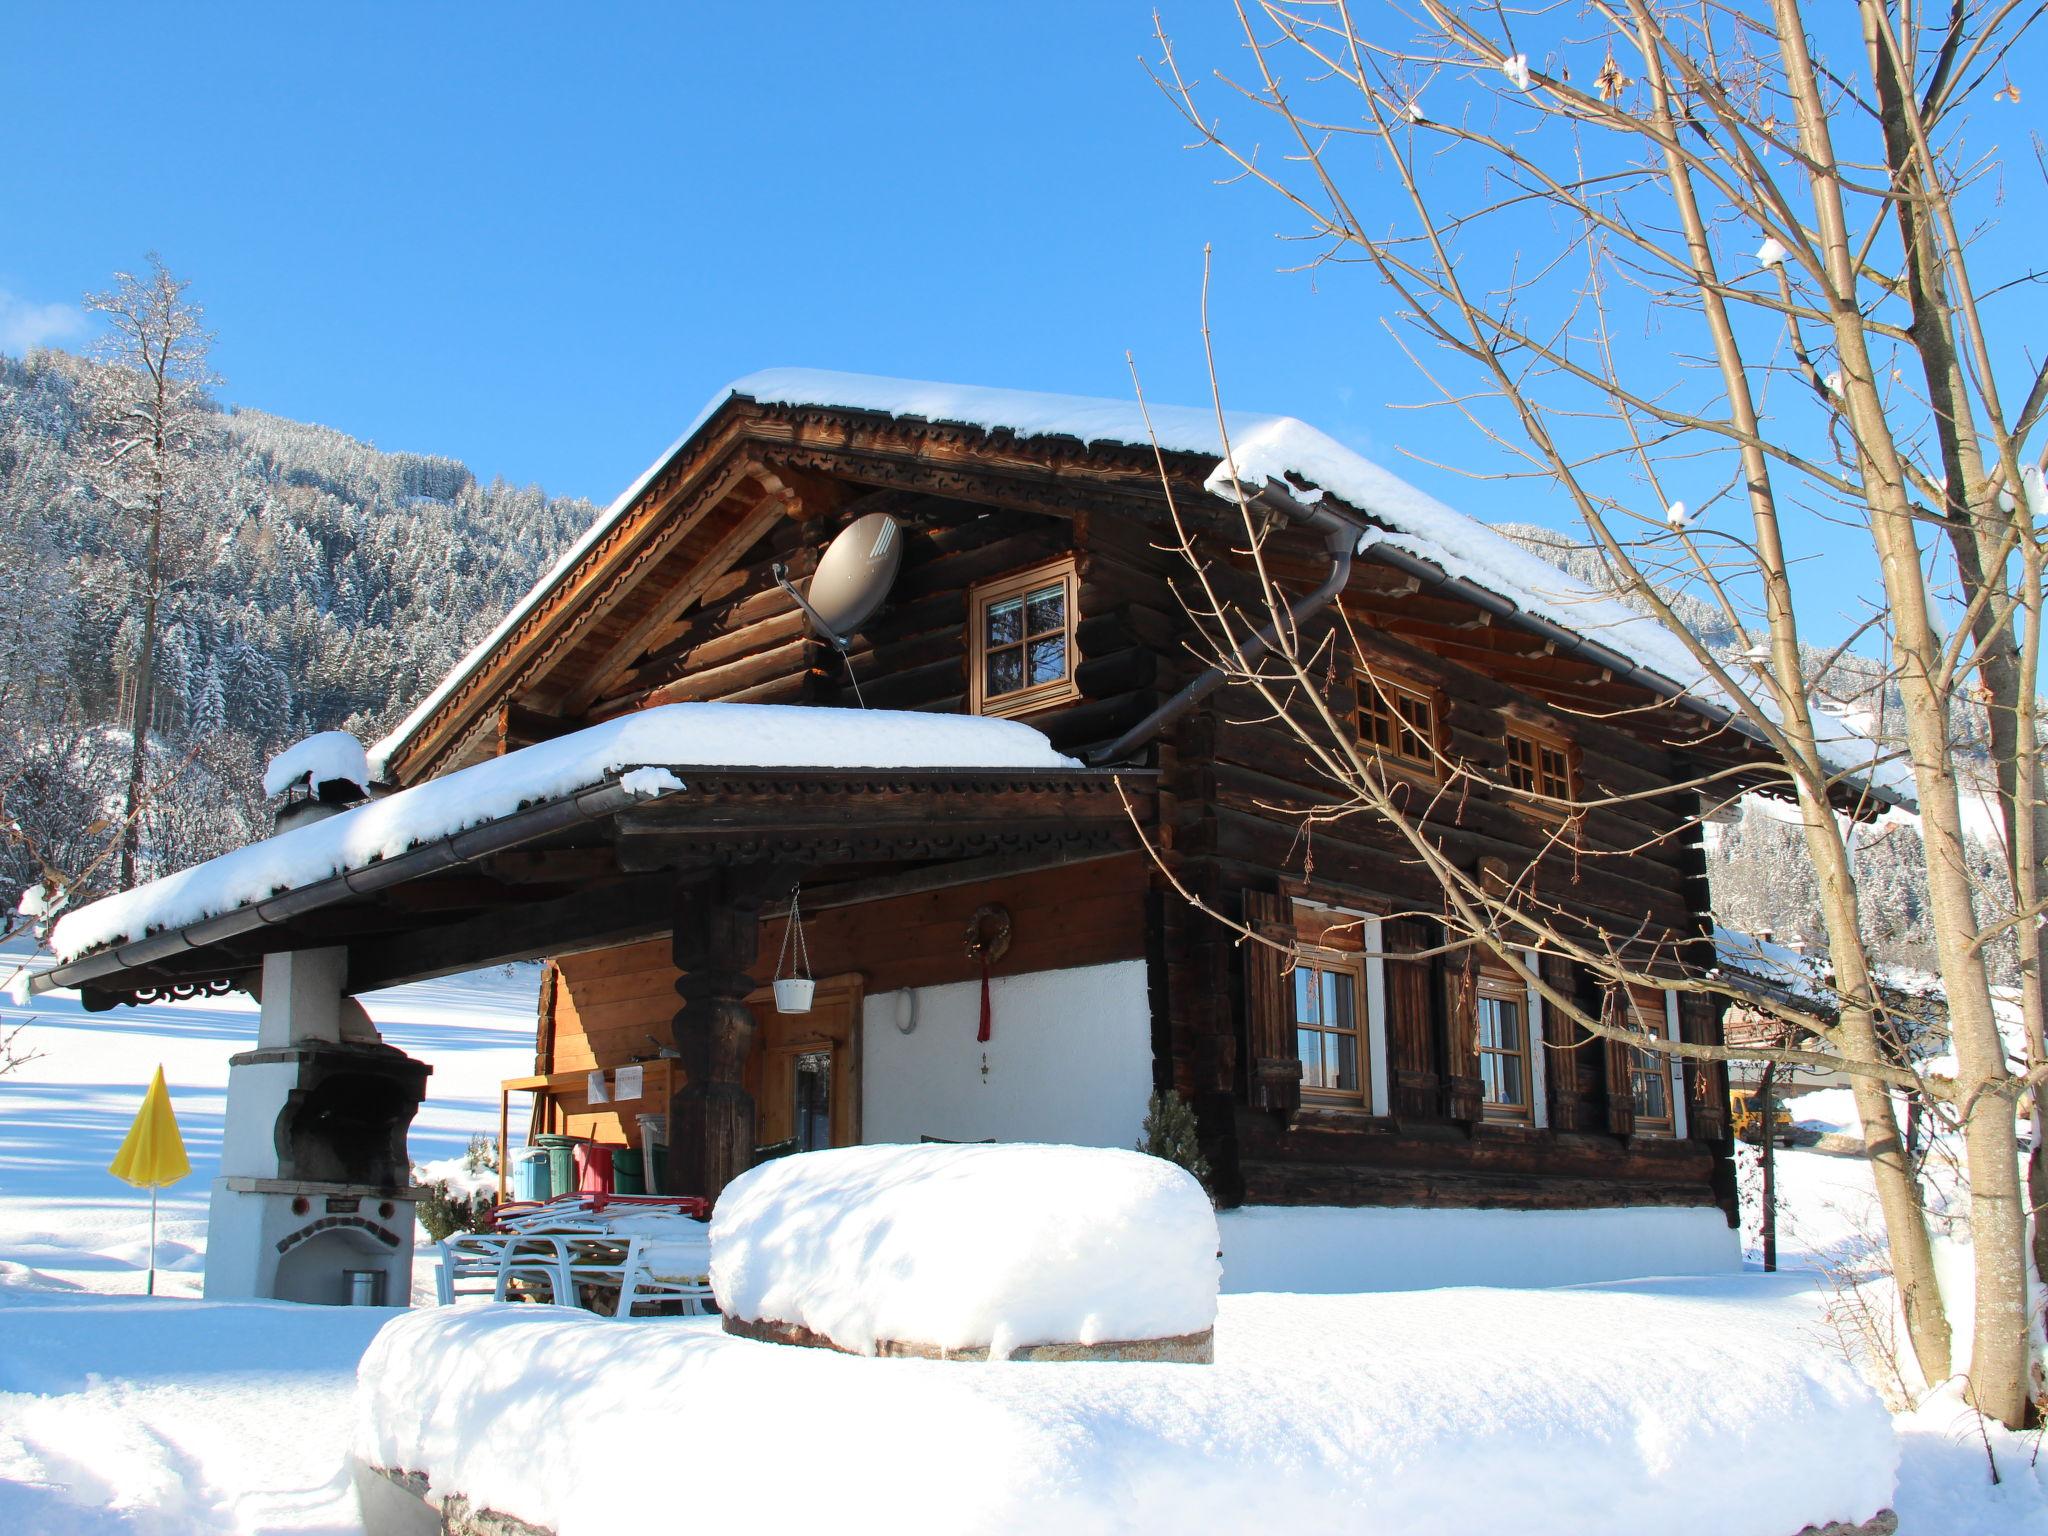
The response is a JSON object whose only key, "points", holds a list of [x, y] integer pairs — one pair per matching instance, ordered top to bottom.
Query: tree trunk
{"points": [[142, 710]]}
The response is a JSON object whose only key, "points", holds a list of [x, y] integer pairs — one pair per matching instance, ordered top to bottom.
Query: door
{"points": [[804, 1071]]}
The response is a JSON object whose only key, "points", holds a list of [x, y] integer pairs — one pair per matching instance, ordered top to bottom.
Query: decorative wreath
{"points": [[988, 933]]}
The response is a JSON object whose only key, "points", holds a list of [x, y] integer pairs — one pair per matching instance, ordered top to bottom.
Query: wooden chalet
{"points": [[1038, 583]]}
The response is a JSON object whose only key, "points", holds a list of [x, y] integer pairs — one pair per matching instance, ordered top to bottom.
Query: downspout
{"points": [[1341, 539]]}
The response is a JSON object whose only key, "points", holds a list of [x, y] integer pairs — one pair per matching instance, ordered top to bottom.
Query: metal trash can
{"points": [[653, 1151], [365, 1287]]}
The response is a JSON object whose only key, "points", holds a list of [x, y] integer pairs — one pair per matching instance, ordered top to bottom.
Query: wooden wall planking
{"points": [[609, 1001]]}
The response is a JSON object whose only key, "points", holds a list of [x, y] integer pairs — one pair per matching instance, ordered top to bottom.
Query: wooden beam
{"points": [[771, 506], [519, 726], [552, 866], [614, 914]]}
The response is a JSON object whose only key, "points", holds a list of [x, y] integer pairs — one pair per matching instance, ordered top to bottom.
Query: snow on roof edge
{"points": [[1261, 447], [690, 737]]}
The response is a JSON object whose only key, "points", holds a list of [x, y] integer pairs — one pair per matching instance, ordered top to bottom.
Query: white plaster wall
{"points": [[1069, 1060], [1327, 1249]]}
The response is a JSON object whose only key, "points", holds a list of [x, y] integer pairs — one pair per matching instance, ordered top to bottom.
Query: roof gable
{"points": [[1407, 526]]}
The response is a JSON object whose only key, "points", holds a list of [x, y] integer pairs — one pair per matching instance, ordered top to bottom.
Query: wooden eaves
{"points": [[599, 867]]}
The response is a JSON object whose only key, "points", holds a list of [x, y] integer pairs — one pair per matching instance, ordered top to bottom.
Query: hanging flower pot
{"points": [[794, 984]]}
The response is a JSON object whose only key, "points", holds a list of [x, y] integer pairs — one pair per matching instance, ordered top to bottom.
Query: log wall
{"points": [[1230, 786]]}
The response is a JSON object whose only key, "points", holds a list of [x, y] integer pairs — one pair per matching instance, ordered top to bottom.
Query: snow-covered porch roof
{"points": [[576, 840]]}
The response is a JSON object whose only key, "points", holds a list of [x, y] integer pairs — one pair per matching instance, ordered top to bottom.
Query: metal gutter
{"points": [[1341, 536]]}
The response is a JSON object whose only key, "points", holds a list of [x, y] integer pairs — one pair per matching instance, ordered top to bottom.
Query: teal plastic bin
{"points": [[561, 1152], [531, 1176]]}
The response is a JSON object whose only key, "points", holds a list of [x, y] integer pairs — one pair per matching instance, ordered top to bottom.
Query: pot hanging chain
{"points": [[793, 939]]}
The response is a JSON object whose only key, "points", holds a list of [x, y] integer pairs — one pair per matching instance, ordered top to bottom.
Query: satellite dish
{"points": [[853, 577]]}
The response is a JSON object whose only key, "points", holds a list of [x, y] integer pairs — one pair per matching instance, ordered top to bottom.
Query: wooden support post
{"points": [[1767, 1102], [711, 1117]]}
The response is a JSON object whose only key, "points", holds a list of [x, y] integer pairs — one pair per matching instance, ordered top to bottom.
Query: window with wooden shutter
{"points": [[1329, 1027], [1506, 1052], [1273, 1069], [1650, 1075]]}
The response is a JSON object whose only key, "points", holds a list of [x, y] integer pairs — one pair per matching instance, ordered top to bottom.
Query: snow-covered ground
{"points": [[173, 1416]]}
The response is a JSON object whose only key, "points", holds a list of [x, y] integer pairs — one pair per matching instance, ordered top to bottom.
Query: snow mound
{"points": [[674, 735], [325, 758], [968, 1247], [1426, 1413]]}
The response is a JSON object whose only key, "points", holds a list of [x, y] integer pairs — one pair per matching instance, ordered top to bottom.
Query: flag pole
{"points": [[152, 1239]]}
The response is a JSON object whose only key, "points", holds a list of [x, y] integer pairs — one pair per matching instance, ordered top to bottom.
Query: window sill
{"points": [[1017, 706], [1334, 1114]]}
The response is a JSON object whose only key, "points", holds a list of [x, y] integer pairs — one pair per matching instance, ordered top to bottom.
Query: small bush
{"points": [[1170, 1133], [482, 1156], [444, 1210]]}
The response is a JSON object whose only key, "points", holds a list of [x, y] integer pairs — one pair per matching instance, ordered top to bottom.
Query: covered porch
{"points": [[655, 872]]}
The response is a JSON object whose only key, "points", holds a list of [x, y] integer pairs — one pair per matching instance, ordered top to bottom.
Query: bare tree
{"points": [[1637, 244], [154, 427]]}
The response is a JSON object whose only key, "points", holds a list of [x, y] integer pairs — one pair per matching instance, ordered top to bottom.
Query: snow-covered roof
{"points": [[1262, 447], [673, 736], [1775, 965]]}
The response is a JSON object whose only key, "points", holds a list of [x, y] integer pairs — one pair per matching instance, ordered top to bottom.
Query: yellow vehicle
{"points": [[1746, 1107]]}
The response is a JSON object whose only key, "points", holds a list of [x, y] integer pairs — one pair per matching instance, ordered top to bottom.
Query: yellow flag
{"points": [[153, 1154]]}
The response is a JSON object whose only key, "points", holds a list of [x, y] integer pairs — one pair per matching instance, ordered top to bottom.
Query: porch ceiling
{"points": [[599, 867]]}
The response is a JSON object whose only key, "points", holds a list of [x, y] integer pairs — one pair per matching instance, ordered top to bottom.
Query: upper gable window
{"points": [[1021, 641], [1398, 721], [1541, 764]]}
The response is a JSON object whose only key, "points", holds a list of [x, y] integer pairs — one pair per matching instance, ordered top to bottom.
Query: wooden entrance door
{"points": [[804, 1072]]}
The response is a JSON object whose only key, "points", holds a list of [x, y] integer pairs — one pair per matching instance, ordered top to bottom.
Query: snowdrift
{"points": [[1430, 1413]]}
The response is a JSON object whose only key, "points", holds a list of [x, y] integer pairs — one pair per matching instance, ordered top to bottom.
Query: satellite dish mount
{"points": [[852, 580]]}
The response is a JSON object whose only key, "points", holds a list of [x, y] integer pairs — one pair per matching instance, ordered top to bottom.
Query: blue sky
{"points": [[538, 238], [539, 245]]}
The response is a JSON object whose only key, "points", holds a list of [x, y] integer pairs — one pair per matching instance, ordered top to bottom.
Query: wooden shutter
{"points": [[1411, 1052], [1570, 1053], [1273, 1065], [1706, 1082], [1464, 1092], [1621, 1099]]}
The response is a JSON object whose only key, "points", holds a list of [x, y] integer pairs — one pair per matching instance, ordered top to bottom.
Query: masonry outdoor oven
{"points": [[315, 1199]]}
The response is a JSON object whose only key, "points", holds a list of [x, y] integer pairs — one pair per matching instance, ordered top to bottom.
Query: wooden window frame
{"points": [[980, 599], [1374, 689], [1541, 782], [1316, 958], [1503, 985], [1643, 1062]]}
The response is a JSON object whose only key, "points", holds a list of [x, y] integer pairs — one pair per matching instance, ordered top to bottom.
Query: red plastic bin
{"points": [[593, 1169]]}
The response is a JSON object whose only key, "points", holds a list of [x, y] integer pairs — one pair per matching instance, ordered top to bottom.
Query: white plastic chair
{"points": [[638, 1282]]}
